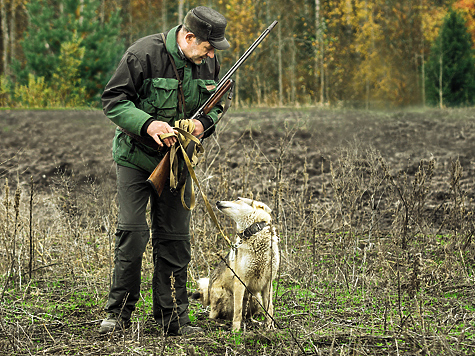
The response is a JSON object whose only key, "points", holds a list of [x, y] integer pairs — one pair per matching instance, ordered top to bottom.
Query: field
{"points": [[374, 209]]}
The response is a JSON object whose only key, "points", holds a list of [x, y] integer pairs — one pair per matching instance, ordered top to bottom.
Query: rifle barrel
{"points": [[246, 54], [236, 65]]}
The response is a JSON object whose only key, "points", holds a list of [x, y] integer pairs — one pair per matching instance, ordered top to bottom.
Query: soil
{"points": [[39, 145]]}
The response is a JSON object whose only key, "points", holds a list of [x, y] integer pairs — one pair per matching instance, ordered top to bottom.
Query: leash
{"points": [[182, 143], [258, 226]]}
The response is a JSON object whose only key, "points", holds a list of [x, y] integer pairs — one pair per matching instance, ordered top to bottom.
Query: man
{"points": [[145, 98]]}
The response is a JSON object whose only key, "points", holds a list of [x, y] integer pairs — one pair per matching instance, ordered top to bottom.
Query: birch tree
{"points": [[5, 42], [319, 68]]}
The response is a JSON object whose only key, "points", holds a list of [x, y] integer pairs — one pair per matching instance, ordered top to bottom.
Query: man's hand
{"points": [[157, 128], [198, 131]]}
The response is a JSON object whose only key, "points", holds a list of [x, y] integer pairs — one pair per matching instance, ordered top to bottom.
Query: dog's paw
{"points": [[256, 322], [269, 324], [236, 326]]}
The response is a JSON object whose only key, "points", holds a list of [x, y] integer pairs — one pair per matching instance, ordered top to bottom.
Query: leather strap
{"points": [[181, 94], [181, 109], [148, 141], [203, 195]]}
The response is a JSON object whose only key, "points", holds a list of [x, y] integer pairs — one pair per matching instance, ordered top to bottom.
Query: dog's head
{"points": [[245, 212]]}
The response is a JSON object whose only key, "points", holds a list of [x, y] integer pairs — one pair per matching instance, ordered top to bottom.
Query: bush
{"points": [[65, 88], [34, 95]]}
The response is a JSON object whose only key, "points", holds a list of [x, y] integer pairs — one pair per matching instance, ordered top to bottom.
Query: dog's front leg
{"points": [[238, 292], [267, 302]]}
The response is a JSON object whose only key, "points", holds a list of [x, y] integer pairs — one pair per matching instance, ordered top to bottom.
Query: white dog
{"points": [[254, 259]]}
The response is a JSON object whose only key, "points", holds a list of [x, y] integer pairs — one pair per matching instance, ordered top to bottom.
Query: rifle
{"points": [[159, 175]]}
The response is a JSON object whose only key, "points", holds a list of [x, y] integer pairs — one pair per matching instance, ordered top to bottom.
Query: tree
{"points": [[468, 9], [240, 13], [3, 20], [50, 27], [451, 66], [68, 86], [64, 90]]}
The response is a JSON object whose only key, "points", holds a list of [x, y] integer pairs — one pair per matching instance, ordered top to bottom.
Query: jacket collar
{"points": [[172, 48], [252, 230]]}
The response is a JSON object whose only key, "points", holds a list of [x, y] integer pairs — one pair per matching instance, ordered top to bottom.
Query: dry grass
{"points": [[375, 259]]}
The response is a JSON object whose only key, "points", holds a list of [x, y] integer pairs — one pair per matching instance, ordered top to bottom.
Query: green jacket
{"points": [[144, 87]]}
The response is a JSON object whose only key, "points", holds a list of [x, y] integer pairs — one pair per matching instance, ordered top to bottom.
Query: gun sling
{"points": [[150, 142]]}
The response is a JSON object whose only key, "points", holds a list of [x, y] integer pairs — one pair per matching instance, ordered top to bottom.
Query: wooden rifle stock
{"points": [[158, 178]]}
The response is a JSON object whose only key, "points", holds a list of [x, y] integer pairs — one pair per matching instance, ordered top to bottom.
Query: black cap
{"points": [[208, 25]]}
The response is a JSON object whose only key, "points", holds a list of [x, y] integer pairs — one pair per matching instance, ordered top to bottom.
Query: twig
{"points": [[30, 262], [52, 338]]}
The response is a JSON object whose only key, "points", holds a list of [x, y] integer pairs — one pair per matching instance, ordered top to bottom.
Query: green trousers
{"points": [[171, 250]]}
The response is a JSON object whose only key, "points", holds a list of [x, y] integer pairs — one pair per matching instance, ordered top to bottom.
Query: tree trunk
{"points": [[81, 10], [102, 11], [180, 11], [164, 16], [130, 21], [12, 30], [5, 41], [317, 48], [279, 58], [293, 69], [423, 74], [423, 80], [236, 84], [258, 90], [367, 96], [441, 104]]}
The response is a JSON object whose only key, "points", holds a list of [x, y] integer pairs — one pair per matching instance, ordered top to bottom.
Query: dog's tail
{"points": [[202, 294]]}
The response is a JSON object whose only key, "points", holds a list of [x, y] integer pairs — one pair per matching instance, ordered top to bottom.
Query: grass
{"points": [[369, 265], [326, 316]]}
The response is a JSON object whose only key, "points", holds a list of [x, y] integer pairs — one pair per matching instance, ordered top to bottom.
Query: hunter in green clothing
{"points": [[161, 79]]}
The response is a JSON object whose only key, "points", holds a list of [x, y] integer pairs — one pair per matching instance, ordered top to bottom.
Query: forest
{"points": [[369, 54]]}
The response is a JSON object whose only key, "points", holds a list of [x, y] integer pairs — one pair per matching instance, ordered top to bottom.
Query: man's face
{"points": [[198, 52]]}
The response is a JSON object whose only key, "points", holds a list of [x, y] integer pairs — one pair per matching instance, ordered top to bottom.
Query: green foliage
{"points": [[49, 28], [451, 66], [67, 81], [65, 87], [5, 89], [35, 94]]}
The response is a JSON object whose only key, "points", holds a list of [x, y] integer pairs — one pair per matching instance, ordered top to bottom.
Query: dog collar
{"points": [[253, 229]]}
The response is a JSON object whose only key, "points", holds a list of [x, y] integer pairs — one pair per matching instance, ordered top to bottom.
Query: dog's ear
{"points": [[246, 200], [256, 204], [260, 205]]}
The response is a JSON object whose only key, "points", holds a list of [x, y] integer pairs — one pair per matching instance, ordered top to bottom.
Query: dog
{"points": [[254, 259]]}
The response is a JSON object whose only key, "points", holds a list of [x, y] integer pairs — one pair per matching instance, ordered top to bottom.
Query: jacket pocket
{"points": [[202, 90], [160, 98]]}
